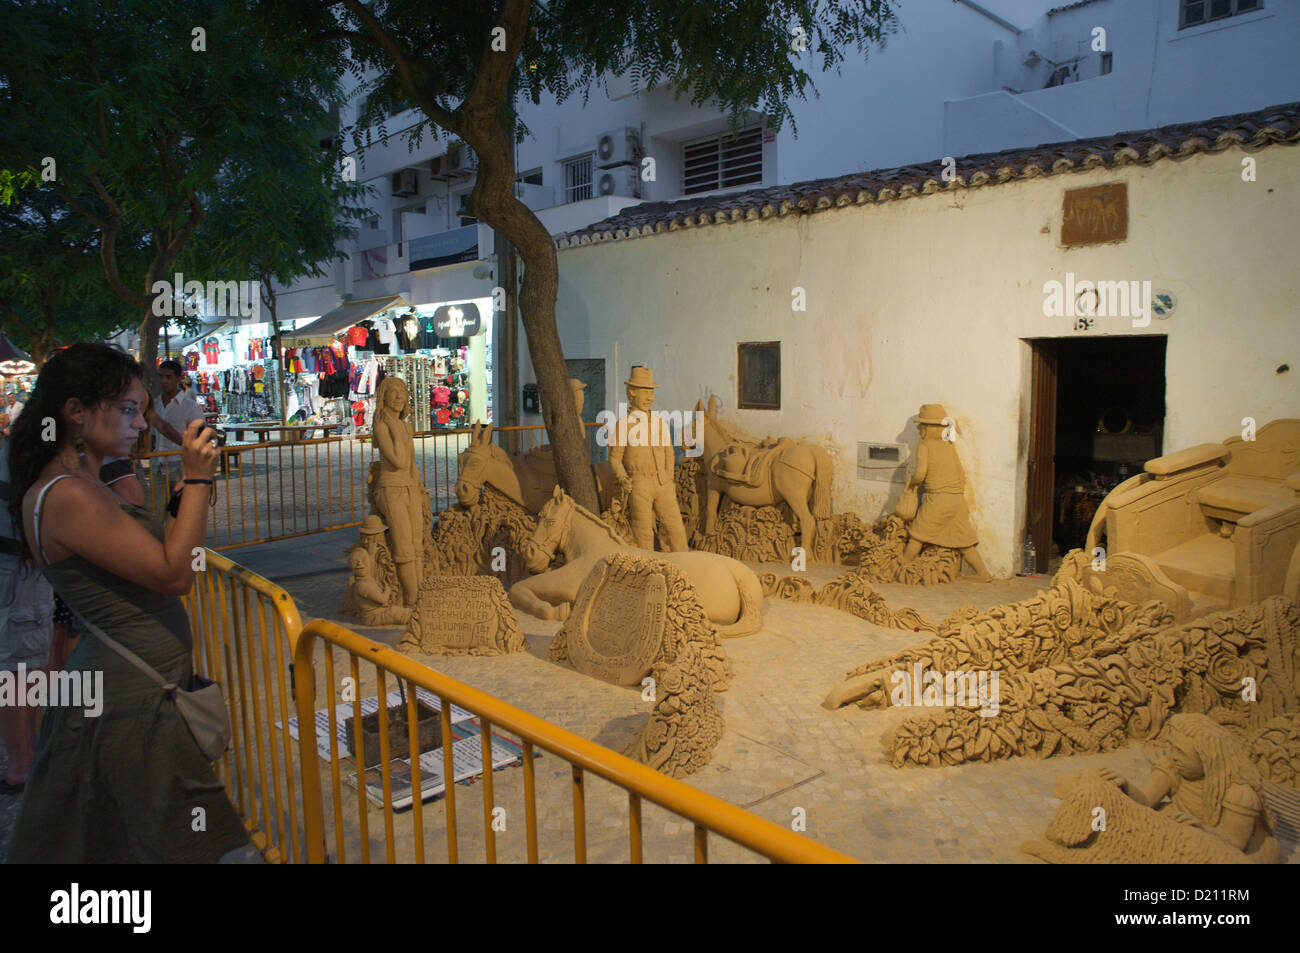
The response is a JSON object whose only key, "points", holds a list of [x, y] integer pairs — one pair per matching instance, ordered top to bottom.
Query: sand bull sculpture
{"points": [[764, 474], [729, 590]]}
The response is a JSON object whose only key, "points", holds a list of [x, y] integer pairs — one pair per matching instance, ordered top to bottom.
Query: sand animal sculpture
{"points": [[641, 458], [763, 474], [525, 478], [397, 492], [942, 517], [729, 590], [686, 724], [1132, 833]]}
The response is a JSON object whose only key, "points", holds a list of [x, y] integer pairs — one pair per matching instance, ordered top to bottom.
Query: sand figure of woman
{"points": [[398, 492], [942, 518]]}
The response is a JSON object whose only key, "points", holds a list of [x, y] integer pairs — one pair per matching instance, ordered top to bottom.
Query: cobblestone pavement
{"points": [[782, 754]]}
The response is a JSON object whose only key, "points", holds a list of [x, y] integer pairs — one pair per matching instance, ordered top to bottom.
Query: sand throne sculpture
{"points": [[1221, 521]]}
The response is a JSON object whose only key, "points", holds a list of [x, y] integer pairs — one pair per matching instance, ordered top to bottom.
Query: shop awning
{"points": [[346, 315], [205, 330]]}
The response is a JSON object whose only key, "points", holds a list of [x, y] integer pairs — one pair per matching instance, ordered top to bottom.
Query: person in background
{"points": [[14, 406], [172, 414], [26, 618], [124, 783]]}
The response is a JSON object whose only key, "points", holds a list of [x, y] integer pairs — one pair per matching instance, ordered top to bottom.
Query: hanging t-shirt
{"points": [[387, 333], [408, 333], [357, 335], [428, 335], [211, 350], [191, 360], [259, 375]]}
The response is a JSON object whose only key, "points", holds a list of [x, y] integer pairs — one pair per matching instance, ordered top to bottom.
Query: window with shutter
{"points": [[721, 162], [577, 179]]}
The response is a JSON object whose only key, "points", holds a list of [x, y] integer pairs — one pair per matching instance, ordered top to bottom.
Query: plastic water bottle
{"points": [[1029, 558]]}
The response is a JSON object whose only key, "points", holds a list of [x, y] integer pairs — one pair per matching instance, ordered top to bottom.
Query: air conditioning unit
{"points": [[617, 147], [462, 161], [438, 168], [623, 181], [406, 182]]}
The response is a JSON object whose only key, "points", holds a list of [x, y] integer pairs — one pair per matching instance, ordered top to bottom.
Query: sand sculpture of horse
{"points": [[757, 475], [527, 478], [729, 590]]}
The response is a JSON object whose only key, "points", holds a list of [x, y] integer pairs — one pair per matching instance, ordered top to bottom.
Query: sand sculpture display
{"points": [[641, 458], [762, 474], [526, 479], [397, 493], [942, 517], [1220, 520], [1131, 577], [729, 590], [850, 593], [372, 595], [638, 610], [462, 615], [1081, 672], [686, 724], [1134, 833]]}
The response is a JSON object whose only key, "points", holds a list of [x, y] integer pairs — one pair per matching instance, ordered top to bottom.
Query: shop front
{"points": [[333, 365]]}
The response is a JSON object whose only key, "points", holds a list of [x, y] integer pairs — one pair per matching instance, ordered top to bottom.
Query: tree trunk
{"points": [[494, 201], [148, 330]]}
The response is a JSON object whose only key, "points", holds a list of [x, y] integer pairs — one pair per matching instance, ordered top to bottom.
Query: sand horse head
{"points": [[485, 462], [554, 522]]}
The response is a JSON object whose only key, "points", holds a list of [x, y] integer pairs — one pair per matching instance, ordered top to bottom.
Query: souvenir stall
{"points": [[440, 351], [235, 374]]}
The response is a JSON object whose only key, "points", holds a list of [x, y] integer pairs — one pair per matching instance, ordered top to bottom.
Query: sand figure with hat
{"points": [[641, 458], [397, 493], [942, 517], [374, 585]]}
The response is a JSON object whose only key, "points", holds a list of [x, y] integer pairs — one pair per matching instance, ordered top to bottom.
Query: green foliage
{"points": [[178, 151]]}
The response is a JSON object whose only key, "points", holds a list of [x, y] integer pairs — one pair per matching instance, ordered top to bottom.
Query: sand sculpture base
{"points": [[766, 534], [850, 593], [634, 612], [462, 615], [1082, 673], [686, 724], [1134, 834]]}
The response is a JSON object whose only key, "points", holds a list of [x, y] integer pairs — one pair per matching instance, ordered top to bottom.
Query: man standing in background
{"points": [[172, 415]]}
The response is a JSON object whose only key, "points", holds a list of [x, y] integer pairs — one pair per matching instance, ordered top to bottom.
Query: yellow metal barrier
{"points": [[244, 630], [706, 814]]}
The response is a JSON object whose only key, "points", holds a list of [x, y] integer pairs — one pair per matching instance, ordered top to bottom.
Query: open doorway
{"points": [[1097, 415]]}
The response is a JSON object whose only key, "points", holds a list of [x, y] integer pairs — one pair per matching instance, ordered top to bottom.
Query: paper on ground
{"points": [[369, 706]]}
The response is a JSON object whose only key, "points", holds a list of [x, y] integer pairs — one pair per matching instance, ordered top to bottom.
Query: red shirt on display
{"points": [[357, 335], [211, 350]]}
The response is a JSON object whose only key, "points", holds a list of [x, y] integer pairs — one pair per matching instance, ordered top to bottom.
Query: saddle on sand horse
{"points": [[748, 464]]}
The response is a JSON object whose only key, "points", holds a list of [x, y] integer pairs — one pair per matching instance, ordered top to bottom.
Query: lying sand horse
{"points": [[764, 475], [526, 478], [729, 590]]}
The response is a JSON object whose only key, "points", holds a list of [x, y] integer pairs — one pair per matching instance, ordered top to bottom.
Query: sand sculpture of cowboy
{"points": [[641, 457], [942, 518]]}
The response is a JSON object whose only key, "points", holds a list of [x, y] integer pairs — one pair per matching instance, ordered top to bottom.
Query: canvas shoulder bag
{"points": [[202, 706]]}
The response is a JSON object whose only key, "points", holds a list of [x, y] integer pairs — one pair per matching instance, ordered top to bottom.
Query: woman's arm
{"points": [[922, 465], [80, 519]]}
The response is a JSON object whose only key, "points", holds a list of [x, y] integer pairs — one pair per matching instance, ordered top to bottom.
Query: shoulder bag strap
{"points": [[123, 651]]}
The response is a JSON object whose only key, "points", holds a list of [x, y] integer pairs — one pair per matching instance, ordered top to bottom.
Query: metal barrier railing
{"points": [[275, 490], [244, 630], [350, 829]]}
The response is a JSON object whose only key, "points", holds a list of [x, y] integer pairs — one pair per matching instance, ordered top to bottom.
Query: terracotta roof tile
{"points": [[1250, 131]]}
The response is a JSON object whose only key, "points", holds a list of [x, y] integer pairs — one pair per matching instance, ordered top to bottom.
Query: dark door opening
{"points": [[1098, 411]]}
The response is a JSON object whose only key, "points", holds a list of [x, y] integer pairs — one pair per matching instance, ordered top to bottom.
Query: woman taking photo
{"points": [[121, 786]]}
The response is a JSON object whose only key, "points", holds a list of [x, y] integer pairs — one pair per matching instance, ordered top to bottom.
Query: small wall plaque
{"points": [[1095, 215]]}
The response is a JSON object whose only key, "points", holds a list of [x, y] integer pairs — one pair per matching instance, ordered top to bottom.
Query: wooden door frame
{"points": [[1040, 488]]}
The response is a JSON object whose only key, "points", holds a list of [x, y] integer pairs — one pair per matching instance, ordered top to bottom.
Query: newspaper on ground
{"points": [[344, 711], [467, 762]]}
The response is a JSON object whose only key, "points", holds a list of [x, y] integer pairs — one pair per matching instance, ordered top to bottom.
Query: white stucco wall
{"points": [[931, 298]]}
